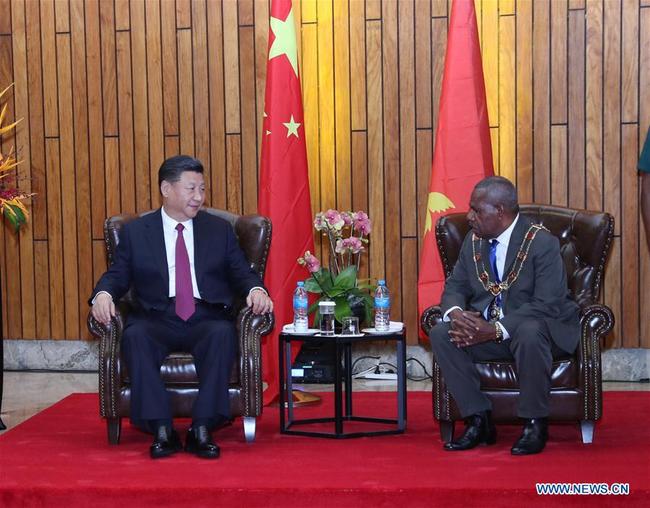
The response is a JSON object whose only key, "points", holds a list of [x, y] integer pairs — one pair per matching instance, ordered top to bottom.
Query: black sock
{"points": [[198, 422], [156, 424]]}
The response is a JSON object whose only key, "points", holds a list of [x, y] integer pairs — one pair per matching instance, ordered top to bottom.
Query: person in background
{"points": [[644, 172], [184, 267], [507, 298]]}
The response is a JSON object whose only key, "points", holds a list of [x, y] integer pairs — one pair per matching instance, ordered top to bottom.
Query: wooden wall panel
{"points": [[524, 79], [108, 89], [342, 105], [140, 108], [576, 109], [155, 129], [326, 137], [21, 138], [375, 172], [391, 176], [82, 194]]}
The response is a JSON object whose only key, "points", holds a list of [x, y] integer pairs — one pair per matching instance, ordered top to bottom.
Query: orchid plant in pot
{"points": [[346, 233]]}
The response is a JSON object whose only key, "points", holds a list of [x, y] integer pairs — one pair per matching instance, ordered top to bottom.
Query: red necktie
{"points": [[185, 305]]}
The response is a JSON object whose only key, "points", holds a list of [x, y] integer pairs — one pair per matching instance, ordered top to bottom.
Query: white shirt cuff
{"points": [[257, 287], [99, 293], [445, 316]]}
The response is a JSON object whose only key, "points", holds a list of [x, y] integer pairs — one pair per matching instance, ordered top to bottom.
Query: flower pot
{"points": [[358, 308]]}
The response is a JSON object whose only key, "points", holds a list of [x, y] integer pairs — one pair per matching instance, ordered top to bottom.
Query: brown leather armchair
{"points": [[585, 238], [178, 371]]}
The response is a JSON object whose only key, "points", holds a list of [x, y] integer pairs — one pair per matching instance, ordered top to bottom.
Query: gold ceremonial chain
{"points": [[484, 278]]}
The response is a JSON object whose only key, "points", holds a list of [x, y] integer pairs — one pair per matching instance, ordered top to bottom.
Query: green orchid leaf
{"points": [[346, 279], [320, 282], [312, 286], [358, 291], [337, 292], [369, 304], [313, 307], [342, 309]]}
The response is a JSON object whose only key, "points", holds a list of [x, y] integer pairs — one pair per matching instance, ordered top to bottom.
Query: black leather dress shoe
{"points": [[479, 429], [533, 438], [166, 442], [199, 442]]}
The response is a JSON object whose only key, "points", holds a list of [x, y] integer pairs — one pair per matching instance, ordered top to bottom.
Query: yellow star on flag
{"points": [[285, 40], [292, 127]]}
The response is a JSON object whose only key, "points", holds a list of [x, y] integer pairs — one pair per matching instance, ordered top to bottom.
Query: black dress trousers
{"points": [[209, 335], [531, 348]]}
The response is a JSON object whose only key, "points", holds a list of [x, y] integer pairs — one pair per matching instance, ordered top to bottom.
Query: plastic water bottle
{"points": [[300, 305], [382, 307]]}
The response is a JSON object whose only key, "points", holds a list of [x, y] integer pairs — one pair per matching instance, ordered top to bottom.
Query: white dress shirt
{"points": [[170, 234]]}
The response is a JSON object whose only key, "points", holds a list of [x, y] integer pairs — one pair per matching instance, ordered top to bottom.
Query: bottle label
{"points": [[382, 302], [300, 303]]}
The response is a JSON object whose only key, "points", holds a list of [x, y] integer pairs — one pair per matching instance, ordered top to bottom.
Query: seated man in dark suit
{"points": [[185, 267], [507, 298]]}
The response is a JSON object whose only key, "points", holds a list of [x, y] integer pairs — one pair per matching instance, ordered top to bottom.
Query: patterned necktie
{"points": [[185, 305], [494, 310]]}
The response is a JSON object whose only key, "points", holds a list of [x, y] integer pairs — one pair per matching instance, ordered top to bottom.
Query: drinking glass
{"points": [[326, 310], [350, 326]]}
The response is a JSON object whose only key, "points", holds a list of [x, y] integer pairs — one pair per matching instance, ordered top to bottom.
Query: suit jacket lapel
{"points": [[156, 240], [515, 242], [201, 245], [485, 254]]}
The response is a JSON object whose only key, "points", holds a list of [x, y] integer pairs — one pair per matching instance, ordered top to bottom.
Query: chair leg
{"points": [[114, 428], [249, 428], [587, 429], [446, 430]]}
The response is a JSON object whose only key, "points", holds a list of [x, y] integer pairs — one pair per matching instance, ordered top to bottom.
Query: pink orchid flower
{"points": [[334, 219], [362, 223], [353, 245], [309, 261]]}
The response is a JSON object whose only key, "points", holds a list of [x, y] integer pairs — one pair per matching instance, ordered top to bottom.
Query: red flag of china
{"points": [[463, 153], [284, 180]]}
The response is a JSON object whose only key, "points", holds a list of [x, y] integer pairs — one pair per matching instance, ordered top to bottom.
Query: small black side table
{"points": [[342, 377]]}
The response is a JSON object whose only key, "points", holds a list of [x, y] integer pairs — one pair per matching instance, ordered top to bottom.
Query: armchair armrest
{"points": [[430, 317], [599, 318], [595, 322], [250, 328], [109, 350]]}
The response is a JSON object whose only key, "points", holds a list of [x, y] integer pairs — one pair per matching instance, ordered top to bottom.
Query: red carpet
{"points": [[60, 457]]}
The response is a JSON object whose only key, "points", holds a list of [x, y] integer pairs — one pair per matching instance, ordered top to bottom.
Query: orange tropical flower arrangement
{"points": [[12, 199]]}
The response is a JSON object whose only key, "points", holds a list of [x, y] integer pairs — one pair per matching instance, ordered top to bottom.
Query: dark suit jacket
{"points": [[222, 271], [540, 292]]}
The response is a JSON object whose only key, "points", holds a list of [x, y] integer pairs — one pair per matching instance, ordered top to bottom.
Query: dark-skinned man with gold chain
{"points": [[507, 298]]}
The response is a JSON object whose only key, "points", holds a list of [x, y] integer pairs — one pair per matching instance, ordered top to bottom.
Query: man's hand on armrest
{"points": [[260, 302], [103, 308]]}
